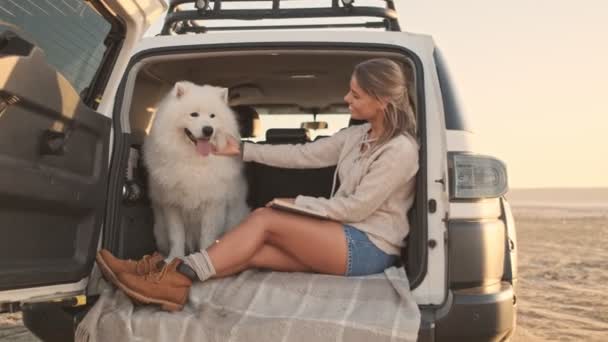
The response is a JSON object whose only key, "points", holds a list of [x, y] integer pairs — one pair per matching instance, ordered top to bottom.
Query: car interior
{"points": [[278, 83]]}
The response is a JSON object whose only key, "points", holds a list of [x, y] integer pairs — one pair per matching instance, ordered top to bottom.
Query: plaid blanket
{"points": [[267, 306]]}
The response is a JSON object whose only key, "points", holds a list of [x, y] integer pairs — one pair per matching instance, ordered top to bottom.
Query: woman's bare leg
{"points": [[319, 245], [269, 257]]}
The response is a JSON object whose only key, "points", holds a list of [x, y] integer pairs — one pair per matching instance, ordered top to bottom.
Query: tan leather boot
{"points": [[111, 266], [168, 288]]}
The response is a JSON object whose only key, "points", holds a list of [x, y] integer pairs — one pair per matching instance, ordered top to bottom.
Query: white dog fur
{"points": [[196, 196]]}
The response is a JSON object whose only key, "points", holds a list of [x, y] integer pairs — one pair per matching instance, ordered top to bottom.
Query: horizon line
{"points": [[561, 188]]}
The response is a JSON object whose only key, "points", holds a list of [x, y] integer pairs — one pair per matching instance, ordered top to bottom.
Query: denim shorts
{"points": [[363, 256]]}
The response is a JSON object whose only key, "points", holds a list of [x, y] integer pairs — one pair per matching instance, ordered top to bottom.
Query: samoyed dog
{"points": [[196, 195]]}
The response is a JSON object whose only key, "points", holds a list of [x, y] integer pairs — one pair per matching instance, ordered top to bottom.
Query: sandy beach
{"points": [[562, 274], [562, 292]]}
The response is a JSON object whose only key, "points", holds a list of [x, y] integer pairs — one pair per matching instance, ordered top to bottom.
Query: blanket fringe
{"points": [[89, 323], [81, 335]]}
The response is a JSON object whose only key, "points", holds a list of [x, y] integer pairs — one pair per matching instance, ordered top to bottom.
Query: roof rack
{"points": [[180, 21]]}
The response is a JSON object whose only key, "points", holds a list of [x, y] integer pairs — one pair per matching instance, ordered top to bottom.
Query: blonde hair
{"points": [[385, 80]]}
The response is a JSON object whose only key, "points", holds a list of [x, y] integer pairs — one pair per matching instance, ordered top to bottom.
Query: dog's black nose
{"points": [[207, 131]]}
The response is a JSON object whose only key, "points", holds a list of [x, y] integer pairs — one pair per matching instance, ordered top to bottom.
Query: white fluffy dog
{"points": [[196, 196]]}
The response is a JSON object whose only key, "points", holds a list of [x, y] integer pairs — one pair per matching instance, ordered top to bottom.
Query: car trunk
{"points": [[282, 85]]}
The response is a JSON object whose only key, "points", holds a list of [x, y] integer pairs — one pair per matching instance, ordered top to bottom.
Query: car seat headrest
{"points": [[248, 119], [287, 136]]}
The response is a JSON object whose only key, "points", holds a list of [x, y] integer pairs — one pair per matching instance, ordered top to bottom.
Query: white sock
{"points": [[201, 264]]}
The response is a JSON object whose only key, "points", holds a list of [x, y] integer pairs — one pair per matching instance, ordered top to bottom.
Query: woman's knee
{"points": [[260, 212], [260, 218], [271, 222]]}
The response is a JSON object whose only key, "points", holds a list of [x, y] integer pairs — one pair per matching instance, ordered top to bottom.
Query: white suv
{"points": [[79, 88]]}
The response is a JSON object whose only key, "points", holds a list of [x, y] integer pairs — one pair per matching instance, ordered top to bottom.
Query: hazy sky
{"points": [[532, 75]]}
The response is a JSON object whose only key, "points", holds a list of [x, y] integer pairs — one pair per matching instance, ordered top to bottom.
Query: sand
{"points": [[563, 274], [563, 277], [12, 329]]}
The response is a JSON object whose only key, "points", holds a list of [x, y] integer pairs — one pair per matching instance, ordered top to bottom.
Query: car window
{"points": [[70, 32]]}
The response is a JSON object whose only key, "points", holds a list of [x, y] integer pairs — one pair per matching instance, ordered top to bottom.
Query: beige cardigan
{"points": [[376, 190]]}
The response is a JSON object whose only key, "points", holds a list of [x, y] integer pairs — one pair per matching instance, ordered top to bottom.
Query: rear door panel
{"points": [[54, 149], [53, 160]]}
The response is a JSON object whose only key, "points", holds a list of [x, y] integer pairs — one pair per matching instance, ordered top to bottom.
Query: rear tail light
{"points": [[475, 176]]}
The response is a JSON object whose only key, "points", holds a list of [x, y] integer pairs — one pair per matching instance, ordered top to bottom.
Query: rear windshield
{"points": [[70, 32]]}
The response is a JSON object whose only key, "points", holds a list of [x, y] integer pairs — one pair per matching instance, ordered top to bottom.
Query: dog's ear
{"points": [[180, 88], [224, 94]]}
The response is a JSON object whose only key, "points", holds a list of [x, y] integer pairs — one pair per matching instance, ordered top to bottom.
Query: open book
{"points": [[292, 208]]}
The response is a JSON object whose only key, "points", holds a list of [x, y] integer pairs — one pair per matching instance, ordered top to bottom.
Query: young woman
{"points": [[376, 162]]}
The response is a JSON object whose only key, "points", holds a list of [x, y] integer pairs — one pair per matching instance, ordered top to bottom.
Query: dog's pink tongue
{"points": [[203, 147]]}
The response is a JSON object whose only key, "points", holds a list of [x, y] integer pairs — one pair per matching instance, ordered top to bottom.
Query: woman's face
{"points": [[362, 106]]}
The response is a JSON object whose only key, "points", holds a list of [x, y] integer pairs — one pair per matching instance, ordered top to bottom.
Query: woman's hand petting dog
{"points": [[232, 148]]}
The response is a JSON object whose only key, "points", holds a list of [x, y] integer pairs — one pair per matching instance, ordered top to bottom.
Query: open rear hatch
{"points": [[55, 59]]}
